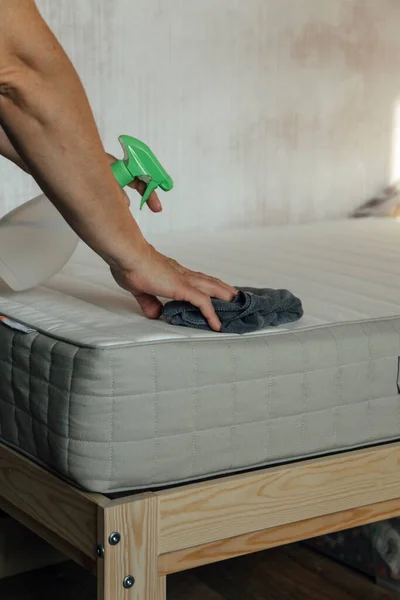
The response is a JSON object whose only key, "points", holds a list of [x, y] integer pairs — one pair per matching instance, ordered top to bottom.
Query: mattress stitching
{"points": [[370, 362], [371, 367], [397, 382], [205, 386], [305, 390], [338, 390], [30, 396], [48, 396], [305, 396], [270, 397], [195, 400], [14, 404], [69, 405], [233, 405], [112, 406], [155, 417], [188, 433]]}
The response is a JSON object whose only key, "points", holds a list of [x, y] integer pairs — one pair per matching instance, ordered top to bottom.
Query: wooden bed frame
{"points": [[159, 533]]}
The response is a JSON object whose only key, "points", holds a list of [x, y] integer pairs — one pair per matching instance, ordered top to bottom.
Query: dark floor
{"points": [[291, 573]]}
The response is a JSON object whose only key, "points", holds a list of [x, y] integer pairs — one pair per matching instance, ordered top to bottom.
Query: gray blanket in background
{"points": [[252, 309]]}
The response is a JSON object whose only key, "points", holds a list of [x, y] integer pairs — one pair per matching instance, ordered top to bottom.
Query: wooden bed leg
{"points": [[129, 568], [162, 588]]}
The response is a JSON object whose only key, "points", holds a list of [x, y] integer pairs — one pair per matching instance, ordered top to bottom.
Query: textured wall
{"points": [[263, 111]]}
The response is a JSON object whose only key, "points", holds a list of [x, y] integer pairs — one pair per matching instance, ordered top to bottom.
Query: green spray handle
{"points": [[140, 162]]}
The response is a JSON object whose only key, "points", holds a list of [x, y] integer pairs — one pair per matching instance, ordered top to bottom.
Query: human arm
{"points": [[46, 116], [8, 151]]}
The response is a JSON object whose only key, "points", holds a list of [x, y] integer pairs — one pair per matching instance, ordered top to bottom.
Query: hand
{"points": [[153, 202], [157, 275]]}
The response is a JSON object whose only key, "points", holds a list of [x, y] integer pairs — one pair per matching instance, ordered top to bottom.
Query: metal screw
{"points": [[114, 538], [100, 550], [129, 582]]}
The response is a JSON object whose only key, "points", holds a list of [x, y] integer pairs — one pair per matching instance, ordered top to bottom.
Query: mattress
{"points": [[112, 401]]}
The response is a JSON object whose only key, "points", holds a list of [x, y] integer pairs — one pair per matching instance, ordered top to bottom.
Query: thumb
{"points": [[150, 305]]}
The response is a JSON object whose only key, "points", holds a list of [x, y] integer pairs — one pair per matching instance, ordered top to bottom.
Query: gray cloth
{"points": [[251, 309]]}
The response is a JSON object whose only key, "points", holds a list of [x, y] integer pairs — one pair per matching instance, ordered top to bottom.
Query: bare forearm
{"points": [[46, 115], [8, 151]]}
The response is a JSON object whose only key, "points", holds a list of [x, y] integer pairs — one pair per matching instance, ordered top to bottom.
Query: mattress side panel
{"points": [[54, 394], [192, 410], [117, 419]]}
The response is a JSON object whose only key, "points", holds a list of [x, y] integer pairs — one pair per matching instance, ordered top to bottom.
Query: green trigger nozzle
{"points": [[140, 162]]}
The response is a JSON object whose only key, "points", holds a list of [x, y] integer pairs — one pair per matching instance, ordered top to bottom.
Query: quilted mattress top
{"points": [[344, 271]]}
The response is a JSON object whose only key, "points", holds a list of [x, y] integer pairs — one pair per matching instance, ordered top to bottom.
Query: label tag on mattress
{"points": [[15, 325]]}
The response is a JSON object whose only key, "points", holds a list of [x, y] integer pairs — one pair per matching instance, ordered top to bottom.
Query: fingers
{"points": [[153, 202], [210, 285], [213, 287], [229, 290], [203, 302], [150, 305]]}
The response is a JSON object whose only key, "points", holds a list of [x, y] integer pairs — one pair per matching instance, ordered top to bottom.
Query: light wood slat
{"points": [[49, 501], [206, 512], [56, 541], [136, 553], [181, 560], [162, 588]]}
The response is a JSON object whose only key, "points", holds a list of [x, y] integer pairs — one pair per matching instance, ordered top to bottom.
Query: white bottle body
{"points": [[35, 244]]}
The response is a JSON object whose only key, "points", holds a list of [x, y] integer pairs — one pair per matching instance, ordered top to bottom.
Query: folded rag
{"points": [[251, 309]]}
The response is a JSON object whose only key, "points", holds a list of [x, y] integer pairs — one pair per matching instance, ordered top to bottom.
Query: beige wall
{"points": [[264, 111]]}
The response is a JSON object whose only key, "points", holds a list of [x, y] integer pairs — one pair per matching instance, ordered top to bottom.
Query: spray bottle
{"points": [[35, 240]]}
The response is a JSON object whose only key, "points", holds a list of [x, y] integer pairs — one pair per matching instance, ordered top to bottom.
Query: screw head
{"points": [[114, 538], [100, 550], [129, 582]]}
